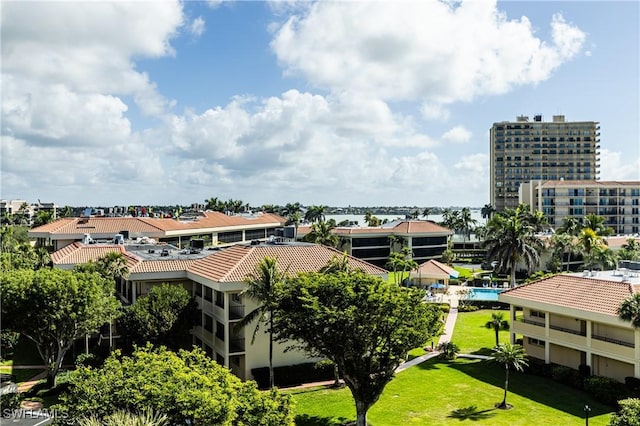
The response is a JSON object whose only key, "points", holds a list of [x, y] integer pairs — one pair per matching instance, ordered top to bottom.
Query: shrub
{"points": [[444, 308], [467, 308], [448, 351], [89, 360], [584, 370], [567, 376], [632, 383], [606, 390], [10, 401], [628, 414]]}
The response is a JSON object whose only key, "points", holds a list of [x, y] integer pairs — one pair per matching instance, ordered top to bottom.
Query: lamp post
{"points": [[587, 410]]}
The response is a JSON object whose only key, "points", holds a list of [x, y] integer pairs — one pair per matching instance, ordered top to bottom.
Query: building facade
{"points": [[523, 150], [617, 201], [216, 278], [571, 320]]}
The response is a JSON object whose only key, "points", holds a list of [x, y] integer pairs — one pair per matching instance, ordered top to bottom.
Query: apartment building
{"points": [[524, 150], [617, 201], [214, 228], [373, 244], [216, 278], [571, 320]]}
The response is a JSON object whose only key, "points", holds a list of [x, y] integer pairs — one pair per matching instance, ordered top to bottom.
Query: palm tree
{"points": [[487, 211], [426, 212], [315, 213], [294, 219], [371, 220], [596, 223], [466, 224], [570, 225], [321, 234], [588, 239], [509, 241], [563, 244], [630, 250], [603, 257], [401, 261], [336, 264], [114, 265], [261, 286], [629, 310], [497, 323], [510, 356]]}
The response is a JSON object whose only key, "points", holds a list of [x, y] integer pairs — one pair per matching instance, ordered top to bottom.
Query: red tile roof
{"points": [[402, 227], [77, 253], [234, 264], [433, 268], [570, 291]]}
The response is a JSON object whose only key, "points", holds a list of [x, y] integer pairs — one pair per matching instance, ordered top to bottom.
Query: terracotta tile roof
{"points": [[145, 226], [402, 227], [618, 241], [78, 253], [235, 263], [159, 266], [433, 268], [570, 291]]}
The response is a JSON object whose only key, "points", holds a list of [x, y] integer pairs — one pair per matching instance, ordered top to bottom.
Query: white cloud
{"points": [[197, 27], [420, 50], [432, 111], [457, 134], [614, 167]]}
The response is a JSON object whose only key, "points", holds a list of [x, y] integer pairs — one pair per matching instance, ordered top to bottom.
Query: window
{"points": [[254, 234], [230, 237], [198, 290], [208, 294], [236, 297], [219, 299], [538, 314], [208, 323], [220, 330], [536, 342], [219, 359]]}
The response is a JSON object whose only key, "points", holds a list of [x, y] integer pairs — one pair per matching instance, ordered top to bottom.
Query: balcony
{"points": [[236, 312], [528, 327], [568, 335], [236, 346], [612, 346]]}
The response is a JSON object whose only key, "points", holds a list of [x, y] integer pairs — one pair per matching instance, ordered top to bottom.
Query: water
{"points": [[475, 214], [488, 294]]}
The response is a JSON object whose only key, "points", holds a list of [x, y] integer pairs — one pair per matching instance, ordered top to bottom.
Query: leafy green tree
{"points": [[427, 211], [487, 211], [315, 213], [372, 220], [595, 222], [466, 223], [570, 225], [511, 240], [563, 243], [630, 250], [602, 257], [336, 264], [114, 265], [261, 287], [53, 307], [629, 310], [165, 316], [362, 323], [497, 323], [510, 357], [188, 387], [629, 413]]}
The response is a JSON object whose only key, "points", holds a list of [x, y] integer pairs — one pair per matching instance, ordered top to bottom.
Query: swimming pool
{"points": [[482, 293]]}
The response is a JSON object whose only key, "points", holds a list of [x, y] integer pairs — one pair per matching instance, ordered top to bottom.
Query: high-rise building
{"points": [[525, 150]]}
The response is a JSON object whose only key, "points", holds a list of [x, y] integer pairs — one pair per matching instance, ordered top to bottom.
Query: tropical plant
{"points": [[487, 211], [426, 212], [315, 213], [371, 220], [466, 223], [596, 223], [570, 225], [321, 234], [511, 240], [563, 243], [630, 250], [401, 262], [336, 264], [261, 287], [629, 310], [362, 323], [497, 323], [448, 351], [510, 357], [629, 413], [126, 418]]}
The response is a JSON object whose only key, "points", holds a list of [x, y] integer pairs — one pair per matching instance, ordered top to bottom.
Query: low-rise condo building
{"points": [[572, 320]]}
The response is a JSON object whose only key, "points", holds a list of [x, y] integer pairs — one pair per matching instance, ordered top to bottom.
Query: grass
{"points": [[471, 335], [446, 393]]}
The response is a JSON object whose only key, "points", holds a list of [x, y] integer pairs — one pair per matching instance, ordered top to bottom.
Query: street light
{"points": [[587, 410]]}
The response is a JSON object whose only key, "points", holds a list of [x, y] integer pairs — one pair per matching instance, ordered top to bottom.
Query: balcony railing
{"points": [[236, 312], [528, 321], [568, 330], [614, 341], [236, 345]]}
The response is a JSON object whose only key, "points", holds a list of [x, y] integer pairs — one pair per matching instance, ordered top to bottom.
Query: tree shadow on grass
{"points": [[471, 413], [307, 420]]}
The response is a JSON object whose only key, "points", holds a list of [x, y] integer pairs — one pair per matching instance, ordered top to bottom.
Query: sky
{"points": [[361, 103]]}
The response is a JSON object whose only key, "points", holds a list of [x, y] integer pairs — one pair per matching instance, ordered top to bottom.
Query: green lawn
{"points": [[471, 335], [448, 393]]}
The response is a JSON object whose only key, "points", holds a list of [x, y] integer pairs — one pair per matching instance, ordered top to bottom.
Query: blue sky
{"points": [[336, 103]]}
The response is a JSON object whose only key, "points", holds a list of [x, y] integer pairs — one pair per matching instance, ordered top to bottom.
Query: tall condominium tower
{"points": [[524, 150]]}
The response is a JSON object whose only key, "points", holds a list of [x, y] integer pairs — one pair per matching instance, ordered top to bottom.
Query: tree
{"points": [[487, 211], [426, 212], [315, 213], [42, 218], [294, 219], [371, 220], [595, 222], [466, 223], [570, 225], [321, 234], [511, 240], [587, 240], [563, 244], [630, 250], [601, 256], [401, 261], [336, 264], [114, 265], [261, 286], [53, 307], [629, 310], [165, 316], [362, 323], [497, 323], [448, 351], [510, 356], [188, 387], [629, 413]]}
